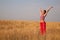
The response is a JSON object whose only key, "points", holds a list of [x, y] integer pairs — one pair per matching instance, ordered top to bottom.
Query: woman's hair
{"points": [[44, 11]]}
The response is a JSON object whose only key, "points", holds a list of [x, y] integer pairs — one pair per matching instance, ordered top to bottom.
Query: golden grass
{"points": [[27, 30]]}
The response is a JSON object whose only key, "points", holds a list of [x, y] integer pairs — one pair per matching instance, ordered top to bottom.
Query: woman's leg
{"points": [[43, 27], [43, 30]]}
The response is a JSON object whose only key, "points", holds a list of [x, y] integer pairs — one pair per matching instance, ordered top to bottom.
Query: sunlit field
{"points": [[27, 30]]}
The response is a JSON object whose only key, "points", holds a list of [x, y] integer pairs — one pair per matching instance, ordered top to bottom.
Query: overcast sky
{"points": [[28, 9]]}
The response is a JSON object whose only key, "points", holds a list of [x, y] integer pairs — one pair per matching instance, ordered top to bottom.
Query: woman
{"points": [[43, 14]]}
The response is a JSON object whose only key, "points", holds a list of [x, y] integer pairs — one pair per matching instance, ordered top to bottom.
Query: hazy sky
{"points": [[28, 9]]}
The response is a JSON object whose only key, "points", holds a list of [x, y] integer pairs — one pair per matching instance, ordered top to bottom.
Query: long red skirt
{"points": [[43, 27]]}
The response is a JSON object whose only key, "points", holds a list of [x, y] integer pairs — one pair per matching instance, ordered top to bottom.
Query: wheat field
{"points": [[27, 30]]}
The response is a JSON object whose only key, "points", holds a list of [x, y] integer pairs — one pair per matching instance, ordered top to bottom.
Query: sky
{"points": [[29, 9]]}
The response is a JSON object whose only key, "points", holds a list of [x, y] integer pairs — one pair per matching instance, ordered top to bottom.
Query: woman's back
{"points": [[42, 18]]}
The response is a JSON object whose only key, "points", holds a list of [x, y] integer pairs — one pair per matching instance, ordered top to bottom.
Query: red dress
{"points": [[42, 25]]}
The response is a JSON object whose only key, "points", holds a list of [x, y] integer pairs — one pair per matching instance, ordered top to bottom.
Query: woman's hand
{"points": [[51, 7]]}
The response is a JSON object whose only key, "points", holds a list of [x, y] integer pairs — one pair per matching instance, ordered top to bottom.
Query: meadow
{"points": [[27, 30]]}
